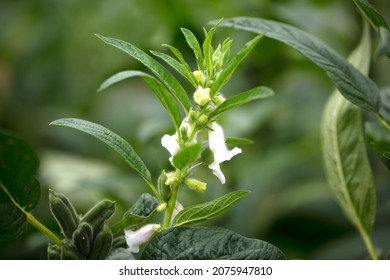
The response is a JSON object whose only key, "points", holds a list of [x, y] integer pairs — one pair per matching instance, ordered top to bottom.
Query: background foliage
{"points": [[51, 66]]}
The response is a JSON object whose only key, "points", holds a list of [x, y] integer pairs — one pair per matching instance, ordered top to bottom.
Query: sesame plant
{"points": [[157, 225]]}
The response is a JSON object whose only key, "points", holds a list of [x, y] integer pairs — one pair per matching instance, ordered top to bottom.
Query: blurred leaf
{"points": [[193, 43], [384, 44], [187, 68], [161, 72], [226, 73], [356, 87], [158, 88], [241, 99], [385, 109], [378, 138], [113, 140], [238, 141], [187, 155], [346, 164], [19, 189], [205, 211], [138, 215], [208, 243], [120, 254]]}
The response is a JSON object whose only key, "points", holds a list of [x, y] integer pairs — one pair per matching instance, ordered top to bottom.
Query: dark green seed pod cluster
{"points": [[88, 237]]}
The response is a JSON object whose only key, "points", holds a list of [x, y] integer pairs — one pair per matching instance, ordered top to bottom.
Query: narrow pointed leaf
{"points": [[379, 23], [193, 43], [208, 50], [180, 57], [232, 65], [179, 67], [162, 73], [355, 86], [158, 88], [241, 99], [114, 141], [187, 155], [347, 166], [205, 211], [208, 243]]}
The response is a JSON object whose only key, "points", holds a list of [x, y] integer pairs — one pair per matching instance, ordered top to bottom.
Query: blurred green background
{"points": [[51, 65]]}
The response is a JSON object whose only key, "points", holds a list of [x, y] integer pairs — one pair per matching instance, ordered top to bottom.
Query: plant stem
{"points": [[171, 204], [31, 219], [368, 242]]}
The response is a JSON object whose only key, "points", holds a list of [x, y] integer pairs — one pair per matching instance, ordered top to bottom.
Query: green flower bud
{"points": [[199, 76], [202, 96], [195, 184], [161, 207]]}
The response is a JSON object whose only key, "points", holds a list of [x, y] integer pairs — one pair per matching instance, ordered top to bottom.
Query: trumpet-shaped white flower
{"points": [[218, 148], [136, 238]]}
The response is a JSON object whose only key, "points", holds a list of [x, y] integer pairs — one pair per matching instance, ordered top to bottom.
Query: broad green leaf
{"points": [[193, 43], [227, 72], [162, 73], [355, 86], [158, 88], [241, 99], [378, 138], [114, 141], [187, 155], [347, 166], [18, 186], [205, 211], [138, 215], [208, 243]]}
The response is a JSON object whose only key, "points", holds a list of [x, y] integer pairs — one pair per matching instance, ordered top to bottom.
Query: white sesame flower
{"points": [[202, 96], [170, 143], [218, 148], [136, 238]]}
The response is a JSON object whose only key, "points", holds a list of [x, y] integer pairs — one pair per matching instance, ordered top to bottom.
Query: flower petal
{"points": [[218, 148], [136, 238]]}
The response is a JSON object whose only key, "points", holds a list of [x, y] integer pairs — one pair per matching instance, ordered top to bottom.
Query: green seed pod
{"points": [[162, 188], [64, 213], [98, 214], [82, 238], [102, 244], [69, 251], [53, 252]]}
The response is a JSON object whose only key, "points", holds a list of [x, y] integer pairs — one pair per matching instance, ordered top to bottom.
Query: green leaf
{"points": [[371, 14], [379, 23], [193, 43], [208, 51], [179, 67], [227, 72], [162, 73], [355, 86], [158, 88], [241, 99], [378, 138], [238, 141], [117, 143], [187, 155], [346, 163], [18, 186], [205, 211], [138, 215], [208, 243]]}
